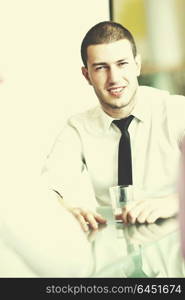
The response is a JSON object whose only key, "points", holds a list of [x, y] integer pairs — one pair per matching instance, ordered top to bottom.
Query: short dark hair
{"points": [[104, 33]]}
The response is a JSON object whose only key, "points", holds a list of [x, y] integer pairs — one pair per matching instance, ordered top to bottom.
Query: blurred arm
{"points": [[66, 175]]}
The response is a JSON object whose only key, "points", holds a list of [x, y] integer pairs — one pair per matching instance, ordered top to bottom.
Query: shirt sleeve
{"points": [[65, 170]]}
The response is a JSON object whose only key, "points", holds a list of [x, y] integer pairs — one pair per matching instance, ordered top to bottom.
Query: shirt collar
{"points": [[141, 110], [105, 120]]}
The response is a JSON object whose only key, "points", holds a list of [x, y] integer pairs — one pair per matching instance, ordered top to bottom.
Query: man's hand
{"points": [[149, 210], [87, 218]]}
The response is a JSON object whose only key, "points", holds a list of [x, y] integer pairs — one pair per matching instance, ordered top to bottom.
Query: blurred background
{"points": [[158, 28]]}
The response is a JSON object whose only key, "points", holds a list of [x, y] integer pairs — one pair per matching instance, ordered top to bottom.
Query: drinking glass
{"points": [[121, 195]]}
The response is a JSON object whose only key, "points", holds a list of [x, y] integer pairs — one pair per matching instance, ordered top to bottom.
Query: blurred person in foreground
{"points": [[87, 147], [181, 190]]}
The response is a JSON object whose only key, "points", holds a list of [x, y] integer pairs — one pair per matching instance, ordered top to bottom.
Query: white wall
{"points": [[40, 65]]}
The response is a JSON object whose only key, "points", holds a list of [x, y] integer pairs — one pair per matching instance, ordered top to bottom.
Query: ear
{"points": [[138, 64], [86, 74]]}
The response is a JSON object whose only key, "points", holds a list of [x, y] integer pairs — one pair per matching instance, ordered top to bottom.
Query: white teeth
{"points": [[116, 90]]}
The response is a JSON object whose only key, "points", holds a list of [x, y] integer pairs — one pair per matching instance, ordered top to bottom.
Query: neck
{"points": [[119, 113]]}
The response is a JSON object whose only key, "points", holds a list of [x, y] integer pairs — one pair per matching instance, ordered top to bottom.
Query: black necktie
{"points": [[124, 156]]}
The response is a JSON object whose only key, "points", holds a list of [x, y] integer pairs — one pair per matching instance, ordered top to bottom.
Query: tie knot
{"points": [[123, 124]]}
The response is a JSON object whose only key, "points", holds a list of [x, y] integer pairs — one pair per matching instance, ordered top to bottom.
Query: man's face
{"points": [[112, 70]]}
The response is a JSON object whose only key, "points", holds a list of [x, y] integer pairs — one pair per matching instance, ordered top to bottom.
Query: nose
{"points": [[114, 75]]}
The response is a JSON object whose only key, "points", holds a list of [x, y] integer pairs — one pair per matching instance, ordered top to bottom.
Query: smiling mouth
{"points": [[116, 91]]}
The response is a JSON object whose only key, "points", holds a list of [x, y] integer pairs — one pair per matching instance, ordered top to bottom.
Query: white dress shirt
{"points": [[83, 162]]}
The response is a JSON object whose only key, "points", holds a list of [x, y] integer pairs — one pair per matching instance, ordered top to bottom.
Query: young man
{"points": [[89, 143]]}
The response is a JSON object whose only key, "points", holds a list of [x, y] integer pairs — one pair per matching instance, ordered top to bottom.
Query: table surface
{"points": [[59, 248], [136, 251]]}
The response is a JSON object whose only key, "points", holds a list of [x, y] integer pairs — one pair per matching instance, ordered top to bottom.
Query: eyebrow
{"points": [[104, 63], [99, 64]]}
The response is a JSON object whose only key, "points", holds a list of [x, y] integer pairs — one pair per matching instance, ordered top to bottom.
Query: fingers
{"points": [[140, 212], [130, 213], [77, 214], [125, 215], [143, 216], [153, 216], [87, 219], [100, 219], [82, 222]]}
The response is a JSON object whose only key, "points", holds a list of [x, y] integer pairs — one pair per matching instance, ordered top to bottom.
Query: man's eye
{"points": [[121, 64], [100, 68]]}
